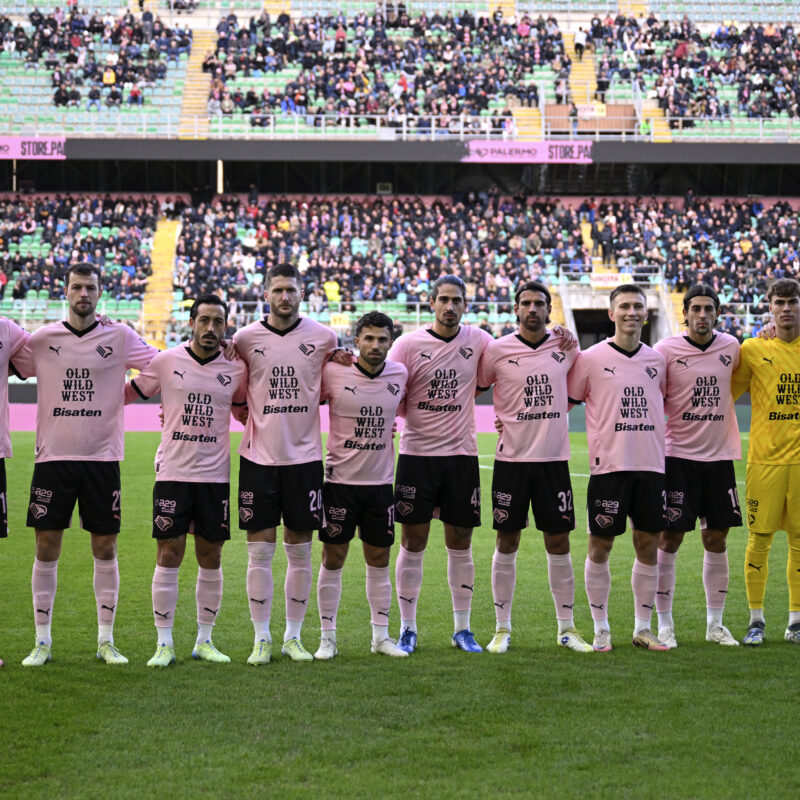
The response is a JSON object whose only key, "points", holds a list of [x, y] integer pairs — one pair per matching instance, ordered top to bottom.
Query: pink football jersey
{"points": [[12, 339], [285, 374], [81, 388], [196, 395], [440, 395], [530, 396], [624, 396], [363, 406], [701, 419]]}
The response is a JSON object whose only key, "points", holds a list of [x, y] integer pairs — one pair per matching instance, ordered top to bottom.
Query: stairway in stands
{"points": [[583, 75], [194, 120], [528, 122], [158, 297], [557, 310]]}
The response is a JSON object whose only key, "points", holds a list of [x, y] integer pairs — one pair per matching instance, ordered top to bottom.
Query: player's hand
{"points": [[104, 320], [768, 331], [568, 339], [229, 349], [343, 357], [240, 413], [161, 415], [498, 425], [394, 428]]}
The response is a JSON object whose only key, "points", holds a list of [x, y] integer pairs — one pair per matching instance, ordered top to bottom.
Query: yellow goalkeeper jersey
{"points": [[770, 370]]}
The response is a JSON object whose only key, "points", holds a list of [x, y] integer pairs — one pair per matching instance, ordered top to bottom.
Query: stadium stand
{"points": [[77, 74]]}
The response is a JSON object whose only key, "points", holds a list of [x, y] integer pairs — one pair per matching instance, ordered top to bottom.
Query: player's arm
{"points": [[138, 354], [23, 361], [486, 372], [740, 380], [577, 383], [145, 385], [239, 409]]}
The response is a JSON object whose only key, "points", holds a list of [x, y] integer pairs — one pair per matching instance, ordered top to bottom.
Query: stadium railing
{"points": [[639, 274], [32, 313]]}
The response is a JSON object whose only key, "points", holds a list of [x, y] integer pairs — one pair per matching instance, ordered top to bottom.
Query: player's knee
{"points": [[714, 540], [670, 541], [508, 542], [761, 542], [556, 544], [104, 547], [333, 557]]}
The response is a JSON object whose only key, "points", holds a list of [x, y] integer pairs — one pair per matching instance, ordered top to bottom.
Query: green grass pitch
{"points": [[700, 721]]}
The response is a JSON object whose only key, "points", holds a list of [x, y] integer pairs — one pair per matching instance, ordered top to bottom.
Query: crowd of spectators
{"points": [[136, 53], [762, 62], [447, 66], [114, 233], [356, 250]]}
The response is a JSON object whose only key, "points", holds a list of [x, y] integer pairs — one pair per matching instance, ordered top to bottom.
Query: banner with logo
{"points": [[42, 148], [482, 151], [608, 280]]}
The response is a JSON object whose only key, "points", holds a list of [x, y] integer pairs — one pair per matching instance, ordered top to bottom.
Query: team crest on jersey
{"points": [[307, 349], [105, 352], [466, 352], [559, 355], [726, 360], [651, 371], [224, 380], [393, 388], [403, 508], [38, 510], [673, 513], [245, 514], [500, 515], [604, 520], [163, 523], [332, 529]]}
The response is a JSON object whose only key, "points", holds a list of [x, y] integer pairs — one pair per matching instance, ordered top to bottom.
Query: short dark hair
{"points": [[85, 269], [284, 270], [448, 280], [532, 286], [783, 287], [625, 288], [700, 290], [207, 299], [375, 319]]}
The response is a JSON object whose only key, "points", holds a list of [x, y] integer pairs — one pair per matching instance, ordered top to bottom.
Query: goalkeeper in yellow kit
{"points": [[770, 370]]}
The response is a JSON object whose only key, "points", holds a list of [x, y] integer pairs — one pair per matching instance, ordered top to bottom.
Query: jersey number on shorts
{"points": [[734, 495], [475, 500], [565, 500], [3, 501], [115, 501], [315, 501]]}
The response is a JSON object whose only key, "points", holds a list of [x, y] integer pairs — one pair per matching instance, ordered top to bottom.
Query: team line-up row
{"points": [[661, 430]]}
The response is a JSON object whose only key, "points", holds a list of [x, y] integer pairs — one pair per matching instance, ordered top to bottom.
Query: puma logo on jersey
{"points": [[307, 349], [56, 350], [260, 350], [105, 352], [466, 352], [559, 355], [427, 356], [726, 360], [768, 360], [514, 361], [684, 362], [612, 370], [179, 374], [224, 380], [351, 389]]}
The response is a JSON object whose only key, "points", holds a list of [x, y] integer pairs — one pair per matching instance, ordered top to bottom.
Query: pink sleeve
{"points": [[138, 354], [23, 361], [486, 372], [577, 380], [145, 385]]}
